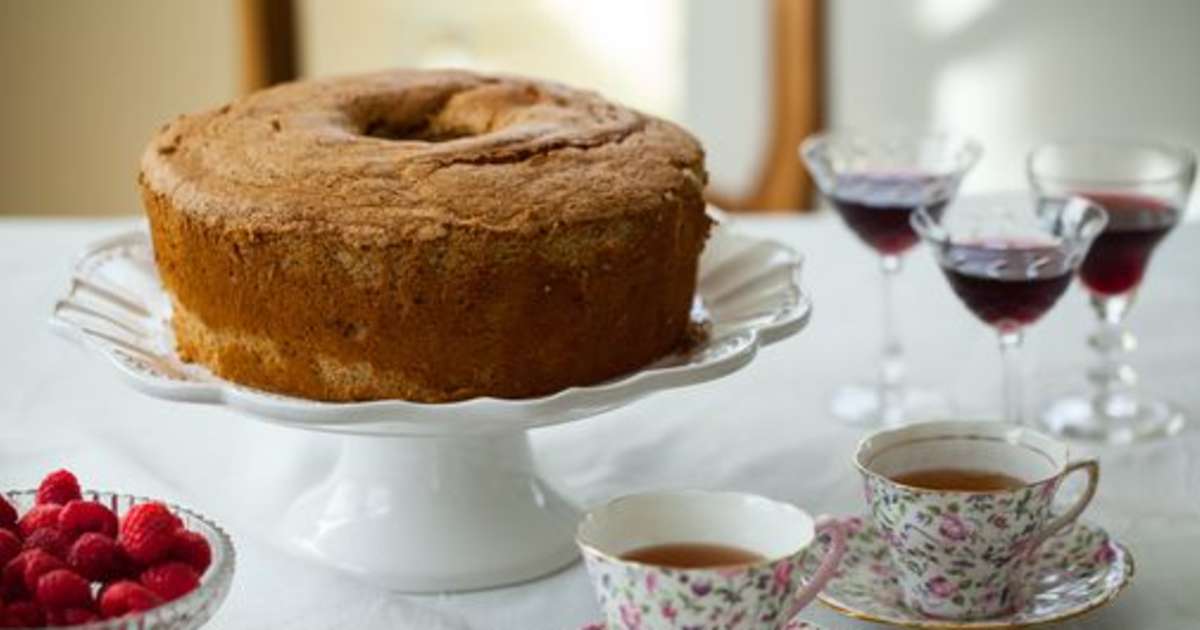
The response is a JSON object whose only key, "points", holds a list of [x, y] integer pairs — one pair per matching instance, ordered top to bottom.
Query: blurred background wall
{"points": [[1016, 72], [87, 82], [84, 85]]}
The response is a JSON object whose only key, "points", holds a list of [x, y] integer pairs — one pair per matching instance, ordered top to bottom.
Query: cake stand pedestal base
{"points": [[433, 514]]}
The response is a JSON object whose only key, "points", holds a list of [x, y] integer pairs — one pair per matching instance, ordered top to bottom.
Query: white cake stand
{"points": [[431, 497]]}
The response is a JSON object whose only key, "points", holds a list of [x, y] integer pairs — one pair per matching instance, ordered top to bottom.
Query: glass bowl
{"points": [[186, 613]]}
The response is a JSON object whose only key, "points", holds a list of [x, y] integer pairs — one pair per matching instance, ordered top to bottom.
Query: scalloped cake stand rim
{"points": [[481, 415]]}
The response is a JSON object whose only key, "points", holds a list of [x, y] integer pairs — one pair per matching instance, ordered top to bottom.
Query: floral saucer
{"points": [[1076, 571], [792, 625]]}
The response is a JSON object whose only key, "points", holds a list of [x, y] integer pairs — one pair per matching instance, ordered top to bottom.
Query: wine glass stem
{"points": [[1010, 347], [891, 365], [1111, 376]]}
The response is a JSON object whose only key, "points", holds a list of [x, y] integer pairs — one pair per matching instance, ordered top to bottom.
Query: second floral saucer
{"points": [[1074, 572]]}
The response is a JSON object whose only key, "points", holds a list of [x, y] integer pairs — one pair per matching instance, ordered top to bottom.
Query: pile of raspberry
{"points": [[69, 561]]}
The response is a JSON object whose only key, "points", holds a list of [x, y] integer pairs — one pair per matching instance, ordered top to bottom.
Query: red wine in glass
{"points": [[876, 182], [1143, 186], [883, 227], [1118, 258], [1008, 270], [1000, 283], [1008, 304]]}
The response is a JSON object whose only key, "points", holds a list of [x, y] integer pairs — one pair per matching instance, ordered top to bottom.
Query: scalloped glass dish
{"points": [[186, 613]]}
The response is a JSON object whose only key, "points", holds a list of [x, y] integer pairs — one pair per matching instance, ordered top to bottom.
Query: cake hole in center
{"points": [[419, 132]]}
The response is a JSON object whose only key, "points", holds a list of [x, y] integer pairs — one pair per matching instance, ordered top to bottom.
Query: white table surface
{"points": [[762, 430]]}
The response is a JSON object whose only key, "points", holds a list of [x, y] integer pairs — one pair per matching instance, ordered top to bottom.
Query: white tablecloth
{"points": [[764, 429]]}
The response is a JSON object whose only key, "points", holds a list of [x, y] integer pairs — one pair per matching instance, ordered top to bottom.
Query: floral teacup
{"points": [[958, 554], [761, 594]]}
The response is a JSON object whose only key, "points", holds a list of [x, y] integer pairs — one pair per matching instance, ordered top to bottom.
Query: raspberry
{"points": [[59, 487], [8, 514], [37, 517], [78, 517], [147, 532], [50, 540], [10, 546], [191, 548], [97, 557], [37, 564], [12, 580], [171, 580], [64, 588], [120, 598], [23, 615], [71, 616]]}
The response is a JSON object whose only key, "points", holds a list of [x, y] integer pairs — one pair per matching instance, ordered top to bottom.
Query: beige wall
{"points": [[85, 84]]}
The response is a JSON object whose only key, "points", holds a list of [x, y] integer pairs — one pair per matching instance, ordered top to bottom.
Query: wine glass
{"points": [[875, 181], [1144, 186], [1009, 262]]}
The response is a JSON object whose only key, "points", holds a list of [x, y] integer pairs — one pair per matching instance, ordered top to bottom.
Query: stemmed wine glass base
{"points": [[861, 405], [1127, 419]]}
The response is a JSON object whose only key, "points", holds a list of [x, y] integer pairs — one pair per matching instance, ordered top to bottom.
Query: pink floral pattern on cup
{"points": [[958, 551], [766, 594], [638, 596], [748, 597], [795, 624]]}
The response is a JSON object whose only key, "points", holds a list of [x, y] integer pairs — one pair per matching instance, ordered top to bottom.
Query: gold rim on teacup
{"points": [[1014, 431], [590, 517]]}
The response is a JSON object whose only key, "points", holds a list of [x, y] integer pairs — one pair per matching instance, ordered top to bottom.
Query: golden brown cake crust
{"points": [[426, 235]]}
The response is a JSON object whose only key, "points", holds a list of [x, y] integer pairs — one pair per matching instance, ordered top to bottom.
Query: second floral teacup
{"points": [[962, 505], [692, 559]]}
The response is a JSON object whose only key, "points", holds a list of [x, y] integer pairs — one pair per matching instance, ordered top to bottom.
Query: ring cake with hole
{"points": [[425, 235]]}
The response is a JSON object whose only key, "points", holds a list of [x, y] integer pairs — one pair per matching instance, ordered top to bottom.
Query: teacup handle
{"points": [[1092, 467], [824, 572]]}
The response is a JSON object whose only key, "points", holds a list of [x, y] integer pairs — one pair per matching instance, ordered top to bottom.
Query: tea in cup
{"points": [[962, 506], [693, 559]]}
